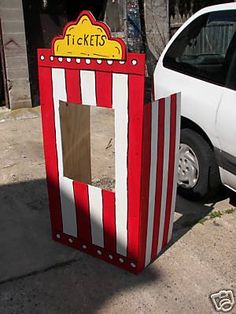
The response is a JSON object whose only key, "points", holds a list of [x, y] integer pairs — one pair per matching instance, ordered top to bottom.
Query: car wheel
{"points": [[198, 173]]}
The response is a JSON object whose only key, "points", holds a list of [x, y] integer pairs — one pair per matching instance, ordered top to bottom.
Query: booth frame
{"points": [[131, 226]]}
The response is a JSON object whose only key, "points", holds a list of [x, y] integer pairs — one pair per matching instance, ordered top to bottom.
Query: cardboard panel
{"points": [[76, 144]]}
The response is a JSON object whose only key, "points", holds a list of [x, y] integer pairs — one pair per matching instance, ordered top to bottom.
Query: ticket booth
{"points": [[131, 222]]}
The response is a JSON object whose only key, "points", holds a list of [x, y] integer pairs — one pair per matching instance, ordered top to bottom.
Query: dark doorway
{"points": [[97, 7], [44, 19], [3, 85], [2, 91]]}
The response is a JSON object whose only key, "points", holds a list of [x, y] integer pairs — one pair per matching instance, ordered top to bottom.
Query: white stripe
{"points": [[88, 88], [120, 104], [165, 173], [152, 182], [66, 185], [173, 201], [96, 215]]}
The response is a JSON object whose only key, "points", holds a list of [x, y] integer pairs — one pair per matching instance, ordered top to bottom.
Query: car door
{"points": [[194, 64], [226, 123]]}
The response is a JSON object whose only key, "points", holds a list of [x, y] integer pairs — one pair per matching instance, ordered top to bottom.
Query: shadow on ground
{"points": [[192, 213], [38, 275]]}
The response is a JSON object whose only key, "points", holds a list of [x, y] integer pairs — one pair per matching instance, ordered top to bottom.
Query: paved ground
{"points": [[38, 275]]}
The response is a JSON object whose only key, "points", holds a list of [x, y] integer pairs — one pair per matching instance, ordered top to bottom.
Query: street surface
{"points": [[40, 276]]}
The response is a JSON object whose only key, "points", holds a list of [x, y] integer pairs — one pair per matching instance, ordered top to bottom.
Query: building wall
{"points": [[14, 46], [15, 52]]}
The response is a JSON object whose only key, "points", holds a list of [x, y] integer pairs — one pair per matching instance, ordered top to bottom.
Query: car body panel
{"points": [[207, 103], [210, 106], [226, 122], [226, 131]]}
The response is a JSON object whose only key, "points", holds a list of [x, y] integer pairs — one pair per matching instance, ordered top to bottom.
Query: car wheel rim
{"points": [[188, 169]]}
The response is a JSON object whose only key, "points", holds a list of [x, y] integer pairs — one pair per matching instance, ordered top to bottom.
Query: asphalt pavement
{"points": [[38, 275]]}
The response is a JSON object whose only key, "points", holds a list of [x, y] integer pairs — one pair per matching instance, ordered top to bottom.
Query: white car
{"points": [[200, 62]]}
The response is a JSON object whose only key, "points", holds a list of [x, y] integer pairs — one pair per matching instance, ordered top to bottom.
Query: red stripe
{"points": [[73, 86], [104, 89], [104, 99], [135, 133], [50, 151], [160, 159], [171, 167], [145, 178], [80, 189], [83, 214], [109, 220]]}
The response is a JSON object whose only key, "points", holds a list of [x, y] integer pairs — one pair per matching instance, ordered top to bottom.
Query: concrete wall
{"points": [[14, 44]]}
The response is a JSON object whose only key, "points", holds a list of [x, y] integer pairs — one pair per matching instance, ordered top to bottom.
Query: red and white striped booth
{"points": [[128, 227]]}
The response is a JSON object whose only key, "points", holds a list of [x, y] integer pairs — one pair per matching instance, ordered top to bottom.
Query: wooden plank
{"points": [[75, 133]]}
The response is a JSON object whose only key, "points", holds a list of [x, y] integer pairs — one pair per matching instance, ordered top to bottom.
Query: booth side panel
{"points": [[161, 108], [163, 123], [135, 133], [169, 145], [50, 151], [174, 152], [171, 168], [145, 178]]}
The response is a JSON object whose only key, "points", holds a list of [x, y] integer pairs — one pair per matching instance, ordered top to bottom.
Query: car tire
{"points": [[197, 162]]}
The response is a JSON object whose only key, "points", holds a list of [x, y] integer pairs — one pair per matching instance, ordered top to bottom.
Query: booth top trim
{"points": [[134, 63]]}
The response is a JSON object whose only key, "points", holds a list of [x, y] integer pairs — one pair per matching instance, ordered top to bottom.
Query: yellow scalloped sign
{"points": [[88, 38]]}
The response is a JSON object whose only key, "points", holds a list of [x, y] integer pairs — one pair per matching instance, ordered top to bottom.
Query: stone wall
{"points": [[15, 55]]}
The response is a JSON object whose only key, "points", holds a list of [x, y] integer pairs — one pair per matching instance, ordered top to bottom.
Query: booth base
{"points": [[98, 252]]}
